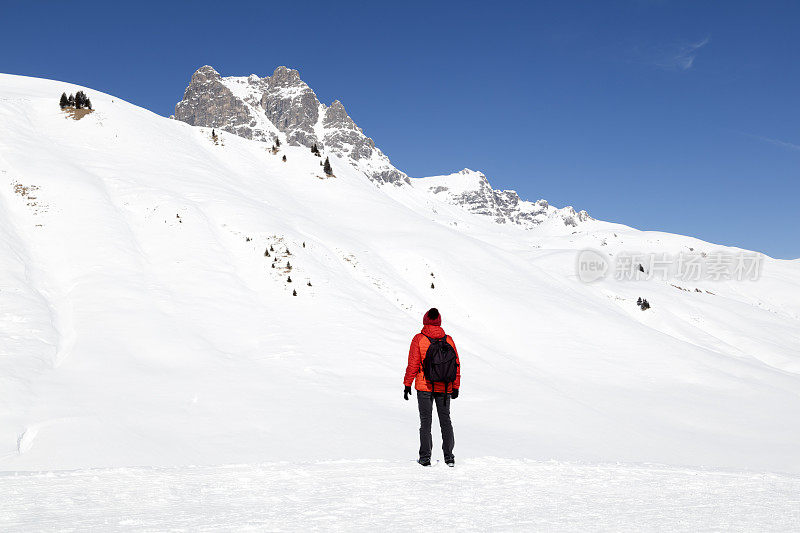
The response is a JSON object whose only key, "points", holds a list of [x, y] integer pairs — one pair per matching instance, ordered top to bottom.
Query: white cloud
{"points": [[678, 56], [681, 57], [777, 142]]}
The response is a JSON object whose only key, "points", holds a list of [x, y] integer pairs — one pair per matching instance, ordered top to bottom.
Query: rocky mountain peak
{"points": [[204, 74], [285, 77], [208, 101], [282, 105], [292, 107], [476, 176], [470, 190]]}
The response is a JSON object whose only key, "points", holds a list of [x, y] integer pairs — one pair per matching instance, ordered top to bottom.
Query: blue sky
{"points": [[664, 115]]}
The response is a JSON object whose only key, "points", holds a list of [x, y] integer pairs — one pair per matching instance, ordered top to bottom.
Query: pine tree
{"points": [[71, 101], [63, 102], [88, 104], [277, 142], [315, 149], [284, 158], [327, 167], [304, 244], [271, 249], [266, 253], [273, 265], [288, 265], [289, 279], [309, 283], [432, 287], [294, 293], [639, 301]]}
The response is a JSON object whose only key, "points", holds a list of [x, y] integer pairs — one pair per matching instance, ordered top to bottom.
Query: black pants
{"points": [[425, 401]]}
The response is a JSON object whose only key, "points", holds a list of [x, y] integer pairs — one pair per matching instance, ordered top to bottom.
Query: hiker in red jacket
{"points": [[433, 358]]}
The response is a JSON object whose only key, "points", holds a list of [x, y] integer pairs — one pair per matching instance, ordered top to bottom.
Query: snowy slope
{"points": [[142, 323]]}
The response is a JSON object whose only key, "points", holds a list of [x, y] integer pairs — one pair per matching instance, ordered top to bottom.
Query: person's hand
{"points": [[406, 392], [454, 394]]}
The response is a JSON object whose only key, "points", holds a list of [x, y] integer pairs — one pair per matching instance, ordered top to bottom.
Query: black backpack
{"points": [[440, 364]]}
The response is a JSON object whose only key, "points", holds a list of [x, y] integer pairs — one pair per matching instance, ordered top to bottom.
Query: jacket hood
{"points": [[434, 332]]}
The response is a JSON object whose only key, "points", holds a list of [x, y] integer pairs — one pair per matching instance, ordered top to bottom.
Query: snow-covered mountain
{"points": [[281, 107], [284, 107], [471, 190], [148, 318]]}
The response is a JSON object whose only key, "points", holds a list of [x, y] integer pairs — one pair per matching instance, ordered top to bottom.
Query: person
{"points": [[427, 395]]}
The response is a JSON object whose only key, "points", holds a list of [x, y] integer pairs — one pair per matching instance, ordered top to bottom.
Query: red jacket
{"points": [[416, 354]]}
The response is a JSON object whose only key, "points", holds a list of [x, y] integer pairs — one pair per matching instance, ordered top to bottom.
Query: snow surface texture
{"points": [[142, 324], [478, 495]]}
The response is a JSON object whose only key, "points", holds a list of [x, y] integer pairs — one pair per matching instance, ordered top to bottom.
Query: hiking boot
{"points": [[424, 462]]}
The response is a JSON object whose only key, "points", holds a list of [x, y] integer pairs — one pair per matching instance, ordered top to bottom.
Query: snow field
{"points": [[482, 494]]}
